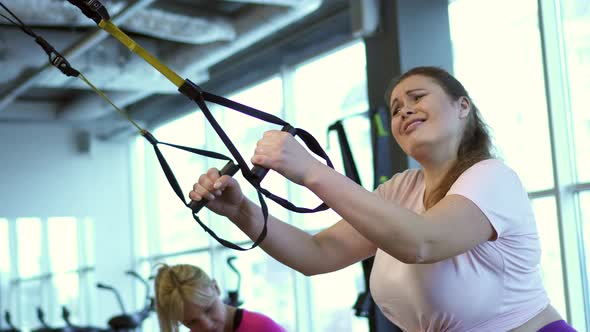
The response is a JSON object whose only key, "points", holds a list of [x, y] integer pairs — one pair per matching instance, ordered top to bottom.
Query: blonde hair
{"points": [[177, 284]]}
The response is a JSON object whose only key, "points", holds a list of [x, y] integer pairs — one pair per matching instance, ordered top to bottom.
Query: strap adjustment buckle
{"points": [[93, 9], [56, 59], [191, 90]]}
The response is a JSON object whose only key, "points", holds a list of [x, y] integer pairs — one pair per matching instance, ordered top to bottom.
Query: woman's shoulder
{"points": [[492, 164], [491, 170], [494, 173], [409, 175], [404, 179], [405, 184], [498, 192]]}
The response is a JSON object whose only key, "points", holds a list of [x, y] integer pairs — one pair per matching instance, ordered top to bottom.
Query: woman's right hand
{"points": [[223, 193]]}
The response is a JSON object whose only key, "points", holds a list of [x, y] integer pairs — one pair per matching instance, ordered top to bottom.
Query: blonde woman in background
{"points": [[186, 295]]}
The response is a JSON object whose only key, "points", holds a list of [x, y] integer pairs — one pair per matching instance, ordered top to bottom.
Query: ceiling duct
{"points": [[151, 22], [252, 27], [109, 64], [121, 74], [29, 77]]}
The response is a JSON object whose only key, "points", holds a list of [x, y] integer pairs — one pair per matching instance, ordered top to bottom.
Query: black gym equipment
{"points": [[381, 142], [233, 297], [126, 322], [11, 327]]}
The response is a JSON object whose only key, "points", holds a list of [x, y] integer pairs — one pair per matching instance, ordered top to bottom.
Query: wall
{"points": [[43, 174]]}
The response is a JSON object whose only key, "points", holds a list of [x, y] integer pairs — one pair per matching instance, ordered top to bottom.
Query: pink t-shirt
{"points": [[496, 286], [255, 322]]}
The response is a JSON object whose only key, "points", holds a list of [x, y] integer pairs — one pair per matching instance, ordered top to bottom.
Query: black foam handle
{"points": [[229, 169], [259, 171]]}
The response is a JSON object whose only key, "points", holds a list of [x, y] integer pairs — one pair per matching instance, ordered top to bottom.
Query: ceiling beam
{"points": [[288, 3], [28, 80], [30, 110]]}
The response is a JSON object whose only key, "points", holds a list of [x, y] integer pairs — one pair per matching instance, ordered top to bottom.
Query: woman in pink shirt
{"points": [[455, 242], [186, 295]]}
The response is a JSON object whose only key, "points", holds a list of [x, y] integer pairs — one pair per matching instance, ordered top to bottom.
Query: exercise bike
{"points": [[233, 297], [65, 314], [8, 320], [127, 322], [46, 328]]}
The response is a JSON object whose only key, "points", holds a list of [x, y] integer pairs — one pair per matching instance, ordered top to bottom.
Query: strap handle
{"points": [[196, 94], [229, 169], [260, 172], [194, 205]]}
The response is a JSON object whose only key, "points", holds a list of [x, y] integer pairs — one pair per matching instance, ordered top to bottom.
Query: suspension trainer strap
{"points": [[98, 13], [58, 61], [191, 90], [195, 93], [230, 168], [350, 169], [255, 175]]}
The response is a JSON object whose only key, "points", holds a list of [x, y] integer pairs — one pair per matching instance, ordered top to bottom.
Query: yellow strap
{"points": [[147, 56], [100, 93]]}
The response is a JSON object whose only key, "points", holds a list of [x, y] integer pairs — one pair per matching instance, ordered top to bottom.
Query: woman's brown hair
{"points": [[476, 143]]}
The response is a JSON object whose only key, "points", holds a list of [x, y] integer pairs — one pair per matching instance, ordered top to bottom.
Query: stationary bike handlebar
{"points": [[130, 321]]}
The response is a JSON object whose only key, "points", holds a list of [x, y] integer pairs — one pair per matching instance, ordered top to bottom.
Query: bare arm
{"points": [[452, 226], [449, 228], [332, 249]]}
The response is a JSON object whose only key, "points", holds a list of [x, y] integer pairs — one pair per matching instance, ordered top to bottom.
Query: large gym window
{"points": [[576, 32], [498, 57], [527, 70], [299, 96], [319, 100], [245, 131], [585, 209], [546, 213], [174, 228], [176, 238], [30, 247], [63, 255], [5, 261], [39, 270], [266, 285]]}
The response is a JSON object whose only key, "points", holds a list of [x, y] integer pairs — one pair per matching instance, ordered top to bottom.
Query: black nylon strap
{"points": [[97, 12], [55, 58], [195, 93], [244, 109], [347, 159], [166, 168], [176, 187], [235, 246], [238, 318]]}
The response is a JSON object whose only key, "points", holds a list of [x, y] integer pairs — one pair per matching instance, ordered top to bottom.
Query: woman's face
{"points": [[425, 122], [209, 318]]}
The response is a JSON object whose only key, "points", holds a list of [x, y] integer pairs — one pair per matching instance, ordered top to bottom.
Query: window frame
{"points": [[566, 188]]}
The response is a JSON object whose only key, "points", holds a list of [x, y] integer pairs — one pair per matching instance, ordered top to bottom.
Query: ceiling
{"points": [[189, 36]]}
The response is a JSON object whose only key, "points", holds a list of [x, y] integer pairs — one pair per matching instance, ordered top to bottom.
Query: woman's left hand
{"points": [[279, 151]]}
